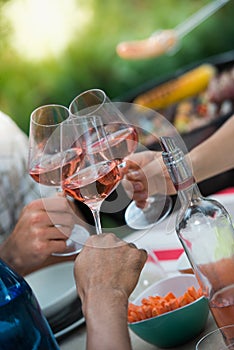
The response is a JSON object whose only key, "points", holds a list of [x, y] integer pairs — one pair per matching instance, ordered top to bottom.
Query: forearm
{"points": [[215, 155], [10, 256], [22, 260], [106, 320]]}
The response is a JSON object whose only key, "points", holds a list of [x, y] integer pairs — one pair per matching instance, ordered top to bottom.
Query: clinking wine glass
{"points": [[122, 136], [123, 139], [46, 155], [99, 173]]}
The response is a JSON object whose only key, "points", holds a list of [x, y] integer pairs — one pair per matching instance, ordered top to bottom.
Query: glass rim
{"points": [[104, 100], [33, 114], [79, 120], [212, 332]]}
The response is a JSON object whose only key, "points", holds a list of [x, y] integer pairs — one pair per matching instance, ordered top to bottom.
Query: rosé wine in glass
{"points": [[49, 171], [93, 184]]}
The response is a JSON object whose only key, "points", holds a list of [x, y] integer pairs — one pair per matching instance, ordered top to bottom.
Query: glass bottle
{"points": [[205, 230], [22, 324]]}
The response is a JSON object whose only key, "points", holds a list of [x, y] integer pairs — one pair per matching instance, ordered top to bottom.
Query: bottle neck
{"points": [[181, 175], [189, 193]]}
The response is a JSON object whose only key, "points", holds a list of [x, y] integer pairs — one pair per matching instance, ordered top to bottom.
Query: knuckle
{"points": [[35, 218], [39, 248]]}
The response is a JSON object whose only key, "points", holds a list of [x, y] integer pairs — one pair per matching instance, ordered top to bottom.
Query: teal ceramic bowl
{"points": [[176, 327]]}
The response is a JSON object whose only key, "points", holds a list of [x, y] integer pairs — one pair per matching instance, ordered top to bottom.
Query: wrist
{"points": [[196, 164], [7, 253], [111, 299], [106, 319]]}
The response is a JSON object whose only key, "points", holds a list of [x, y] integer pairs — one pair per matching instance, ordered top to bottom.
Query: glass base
{"points": [[158, 208], [75, 242]]}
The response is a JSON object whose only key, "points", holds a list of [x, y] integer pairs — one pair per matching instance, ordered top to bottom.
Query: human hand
{"points": [[147, 175], [43, 228], [107, 266], [106, 272]]}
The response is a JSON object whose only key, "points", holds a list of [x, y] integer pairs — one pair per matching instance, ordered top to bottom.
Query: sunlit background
{"points": [[42, 28], [51, 50]]}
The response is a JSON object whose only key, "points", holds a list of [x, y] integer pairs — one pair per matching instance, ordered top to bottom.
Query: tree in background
{"points": [[88, 58]]}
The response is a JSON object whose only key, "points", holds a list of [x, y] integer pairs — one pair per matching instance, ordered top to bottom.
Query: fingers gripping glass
{"points": [[122, 136], [46, 154]]}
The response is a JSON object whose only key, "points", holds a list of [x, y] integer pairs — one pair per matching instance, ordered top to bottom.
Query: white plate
{"points": [[54, 287], [69, 328]]}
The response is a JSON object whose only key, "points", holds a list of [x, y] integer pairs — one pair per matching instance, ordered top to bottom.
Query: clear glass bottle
{"points": [[205, 230], [22, 324]]}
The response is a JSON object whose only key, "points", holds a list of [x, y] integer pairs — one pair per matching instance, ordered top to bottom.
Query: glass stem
{"points": [[149, 201], [97, 220]]}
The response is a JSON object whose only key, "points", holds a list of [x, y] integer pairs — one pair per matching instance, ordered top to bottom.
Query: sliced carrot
{"points": [[192, 291], [199, 292], [170, 296], [188, 297], [183, 301], [173, 304], [158, 305], [148, 310], [154, 312], [141, 314], [133, 316], [131, 319]]}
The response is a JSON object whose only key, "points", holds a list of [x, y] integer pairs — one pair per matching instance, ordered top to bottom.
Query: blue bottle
{"points": [[22, 324]]}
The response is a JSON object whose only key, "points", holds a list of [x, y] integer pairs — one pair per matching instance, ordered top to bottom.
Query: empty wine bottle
{"points": [[205, 230], [22, 324]]}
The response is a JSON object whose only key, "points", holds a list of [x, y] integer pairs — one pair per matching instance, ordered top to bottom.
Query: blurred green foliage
{"points": [[90, 59]]}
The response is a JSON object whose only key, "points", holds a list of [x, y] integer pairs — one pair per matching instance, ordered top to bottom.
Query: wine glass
{"points": [[122, 136], [123, 139], [46, 155], [99, 173], [219, 339]]}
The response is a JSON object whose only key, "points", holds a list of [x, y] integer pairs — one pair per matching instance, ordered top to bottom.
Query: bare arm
{"points": [[215, 155], [148, 174], [106, 272], [106, 320]]}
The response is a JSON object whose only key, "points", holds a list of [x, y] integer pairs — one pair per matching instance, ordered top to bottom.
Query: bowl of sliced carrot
{"points": [[170, 312]]}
